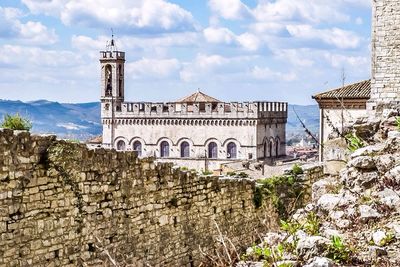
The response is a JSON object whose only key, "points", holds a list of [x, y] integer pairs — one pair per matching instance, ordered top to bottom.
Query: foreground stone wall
{"points": [[385, 83], [64, 205]]}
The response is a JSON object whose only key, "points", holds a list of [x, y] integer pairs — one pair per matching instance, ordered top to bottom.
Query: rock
{"points": [[389, 113], [394, 135], [368, 150], [362, 162], [385, 162], [394, 174], [366, 179], [322, 187], [389, 198], [328, 202], [367, 212], [329, 232], [379, 237], [273, 239], [311, 246], [376, 251], [320, 262], [250, 264]]}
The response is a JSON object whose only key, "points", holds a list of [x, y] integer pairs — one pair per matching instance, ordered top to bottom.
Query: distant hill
{"points": [[73, 121], [82, 121]]}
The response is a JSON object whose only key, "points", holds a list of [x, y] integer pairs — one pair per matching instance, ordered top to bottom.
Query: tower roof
{"points": [[198, 97]]}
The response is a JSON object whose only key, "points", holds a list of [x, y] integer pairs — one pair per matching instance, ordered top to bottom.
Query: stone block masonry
{"points": [[385, 83], [64, 205]]}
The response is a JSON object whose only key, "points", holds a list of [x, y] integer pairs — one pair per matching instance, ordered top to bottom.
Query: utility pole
{"points": [[342, 108]]}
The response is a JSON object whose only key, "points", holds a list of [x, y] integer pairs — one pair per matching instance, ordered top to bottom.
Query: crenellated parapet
{"points": [[233, 110]]}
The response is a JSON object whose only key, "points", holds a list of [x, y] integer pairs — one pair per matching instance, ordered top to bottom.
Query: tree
{"points": [[16, 122]]}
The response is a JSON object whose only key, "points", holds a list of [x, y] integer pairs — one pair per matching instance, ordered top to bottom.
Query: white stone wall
{"points": [[385, 83], [335, 116], [198, 138]]}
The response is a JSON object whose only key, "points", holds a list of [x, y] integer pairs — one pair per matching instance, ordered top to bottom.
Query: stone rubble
{"points": [[358, 211]]}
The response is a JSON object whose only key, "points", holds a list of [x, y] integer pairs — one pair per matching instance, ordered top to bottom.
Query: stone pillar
{"points": [[385, 82]]}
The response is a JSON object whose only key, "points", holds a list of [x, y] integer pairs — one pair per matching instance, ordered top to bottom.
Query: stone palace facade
{"points": [[197, 131]]}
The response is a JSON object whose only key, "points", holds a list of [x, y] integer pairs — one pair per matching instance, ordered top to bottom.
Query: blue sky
{"points": [[233, 50]]}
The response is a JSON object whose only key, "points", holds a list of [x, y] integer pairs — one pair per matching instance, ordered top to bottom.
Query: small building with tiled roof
{"points": [[198, 97], [339, 107]]}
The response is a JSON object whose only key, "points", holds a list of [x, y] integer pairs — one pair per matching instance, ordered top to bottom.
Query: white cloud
{"points": [[229, 9], [124, 15], [31, 32], [219, 35], [337, 37], [247, 41], [34, 56], [297, 57], [354, 62], [152, 68], [266, 73]]}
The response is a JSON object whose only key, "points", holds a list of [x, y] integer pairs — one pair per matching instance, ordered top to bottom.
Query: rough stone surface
{"points": [[64, 205], [320, 262]]}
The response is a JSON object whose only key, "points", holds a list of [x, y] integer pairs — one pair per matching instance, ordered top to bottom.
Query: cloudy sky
{"points": [[234, 50]]}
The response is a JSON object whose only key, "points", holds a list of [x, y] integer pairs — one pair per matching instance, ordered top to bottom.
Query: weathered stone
{"points": [[362, 162], [330, 201], [367, 212], [378, 237], [311, 246], [376, 251], [320, 262]]}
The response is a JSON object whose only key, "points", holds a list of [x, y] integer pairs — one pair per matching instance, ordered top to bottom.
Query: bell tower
{"points": [[112, 64]]}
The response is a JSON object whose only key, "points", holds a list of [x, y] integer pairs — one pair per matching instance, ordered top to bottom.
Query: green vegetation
{"points": [[16, 122], [398, 123], [354, 142], [184, 168], [297, 170], [207, 172], [280, 190], [312, 224], [388, 239], [339, 251], [267, 254]]}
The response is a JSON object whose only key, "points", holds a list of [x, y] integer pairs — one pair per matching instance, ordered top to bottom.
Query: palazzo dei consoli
{"points": [[189, 131]]}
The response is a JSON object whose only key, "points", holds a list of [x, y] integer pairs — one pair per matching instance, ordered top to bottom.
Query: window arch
{"points": [[108, 80], [121, 145], [137, 146], [164, 149], [185, 150], [212, 150], [231, 150]]}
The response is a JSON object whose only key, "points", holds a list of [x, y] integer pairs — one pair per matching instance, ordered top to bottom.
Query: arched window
{"points": [[108, 80], [277, 143], [121, 145], [137, 146], [164, 149], [266, 149], [270, 149], [185, 150], [212, 150], [231, 151]]}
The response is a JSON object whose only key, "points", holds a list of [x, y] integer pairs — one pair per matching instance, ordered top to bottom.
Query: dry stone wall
{"points": [[64, 205]]}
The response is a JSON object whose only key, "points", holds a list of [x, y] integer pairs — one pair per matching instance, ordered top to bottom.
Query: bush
{"points": [[16, 122], [354, 142], [296, 169], [339, 251]]}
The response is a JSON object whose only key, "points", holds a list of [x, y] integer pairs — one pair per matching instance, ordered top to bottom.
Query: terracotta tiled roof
{"points": [[360, 90], [198, 97], [96, 140]]}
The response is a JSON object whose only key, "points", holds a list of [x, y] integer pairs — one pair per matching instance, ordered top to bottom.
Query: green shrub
{"points": [[16, 122], [398, 123], [354, 142], [184, 168], [296, 169], [207, 172], [312, 224], [290, 227], [339, 251]]}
